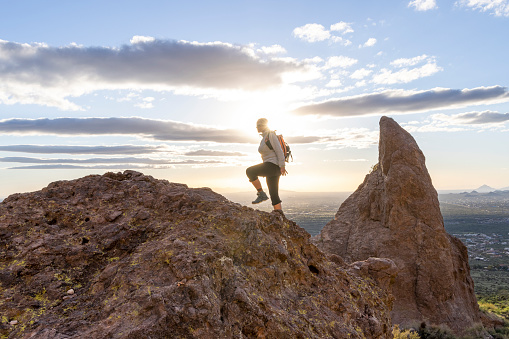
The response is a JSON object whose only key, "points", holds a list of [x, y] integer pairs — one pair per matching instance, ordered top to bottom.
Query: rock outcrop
{"points": [[395, 214], [128, 256]]}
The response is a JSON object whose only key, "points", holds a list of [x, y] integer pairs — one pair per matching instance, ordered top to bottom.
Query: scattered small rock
{"points": [[70, 292], [13, 322]]}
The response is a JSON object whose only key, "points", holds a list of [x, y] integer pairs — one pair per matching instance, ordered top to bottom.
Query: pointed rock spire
{"points": [[395, 214]]}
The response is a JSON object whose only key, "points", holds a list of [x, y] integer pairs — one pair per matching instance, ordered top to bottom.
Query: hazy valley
{"points": [[480, 220]]}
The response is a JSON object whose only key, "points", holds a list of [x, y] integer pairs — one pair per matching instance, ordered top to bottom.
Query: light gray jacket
{"points": [[275, 156]]}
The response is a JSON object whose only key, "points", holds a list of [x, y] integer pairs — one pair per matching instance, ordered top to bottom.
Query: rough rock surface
{"points": [[395, 214], [146, 258]]}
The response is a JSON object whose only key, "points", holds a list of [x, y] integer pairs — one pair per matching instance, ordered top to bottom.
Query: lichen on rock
{"points": [[146, 258]]}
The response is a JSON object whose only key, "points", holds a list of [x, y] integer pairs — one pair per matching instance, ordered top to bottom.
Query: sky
{"points": [[174, 89]]}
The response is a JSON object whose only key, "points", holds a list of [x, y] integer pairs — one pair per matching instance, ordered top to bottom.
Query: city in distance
{"points": [[480, 220]]}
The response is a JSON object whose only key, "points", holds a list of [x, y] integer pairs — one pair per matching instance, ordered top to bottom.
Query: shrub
{"points": [[404, 334]]}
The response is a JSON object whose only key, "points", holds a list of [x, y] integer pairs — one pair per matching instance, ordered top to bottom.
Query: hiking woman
{"points": [[272, 167]]}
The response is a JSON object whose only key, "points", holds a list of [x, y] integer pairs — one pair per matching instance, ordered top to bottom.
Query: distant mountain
{"points": [[505, 188], [485, 189]]}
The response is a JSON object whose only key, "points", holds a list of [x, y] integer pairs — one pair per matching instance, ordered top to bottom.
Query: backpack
{"points": [[284, 146]]}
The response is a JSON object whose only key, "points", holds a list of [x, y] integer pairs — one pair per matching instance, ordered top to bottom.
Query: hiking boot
{"points": [[261, 196]]}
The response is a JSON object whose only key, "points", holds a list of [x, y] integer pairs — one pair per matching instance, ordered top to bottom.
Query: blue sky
{"points": [[174, 89]]}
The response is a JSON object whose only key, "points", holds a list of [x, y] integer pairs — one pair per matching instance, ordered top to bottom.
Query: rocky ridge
{"points": [[395, 214], [127, 256]]}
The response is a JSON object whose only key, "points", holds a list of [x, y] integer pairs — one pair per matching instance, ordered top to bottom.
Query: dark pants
{"points": [[272, 172]]}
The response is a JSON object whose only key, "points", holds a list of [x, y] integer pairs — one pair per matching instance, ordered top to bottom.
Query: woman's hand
{"points": [[283, 171]]}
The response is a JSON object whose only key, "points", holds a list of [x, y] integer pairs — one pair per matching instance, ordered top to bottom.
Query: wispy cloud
{"points": [[423, 5], [495, 7], [342, 27], [312, 33], [316, 33], [369, 43], [274, 49], [340, 61], [405, 62], [361, 74], [43, 75], [406, 75], [398, 101], [487, 118], [470, 121], [146, 128], [157, 130], [340, 138], [58, 149], [213, 153], [130, 160], [346, 160], [106, 163], [98, 167]]}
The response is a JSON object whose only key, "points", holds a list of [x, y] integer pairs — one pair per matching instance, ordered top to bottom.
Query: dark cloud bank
{"points": [[151, 63], [399, 102], [487, 117], [153, 129]]}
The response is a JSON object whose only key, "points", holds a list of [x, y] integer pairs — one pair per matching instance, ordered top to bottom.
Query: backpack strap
{"points": [[267, 140]]}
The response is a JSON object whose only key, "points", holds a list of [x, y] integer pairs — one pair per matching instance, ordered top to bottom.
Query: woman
{"points": [[272, 168]]}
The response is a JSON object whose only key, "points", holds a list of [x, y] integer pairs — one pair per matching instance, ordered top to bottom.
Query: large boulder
{"points": [[395, 214], [128, 256]]}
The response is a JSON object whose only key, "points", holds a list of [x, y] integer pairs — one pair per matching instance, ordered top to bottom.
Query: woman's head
{"points": [[262, 124]]}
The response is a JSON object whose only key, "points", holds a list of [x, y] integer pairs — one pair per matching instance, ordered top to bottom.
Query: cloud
{"points": [[423, 5], [496, 7], [342, 27], [317, 32], [312, 33], [139, 39], [369, 43], [274, 49], [340, 61], [404, 62], [360, 73], [405, 75], [50, 76], [334, 83], [400, 102], [146, 103], [483, 117], [475, 118], [471, 121], [147, 128], [155, 129], [340, 138], [303, 139], [54, 149], [212, 153], [347, 160], [146, 161], [105, 163], [52, 167], [100, 167]]}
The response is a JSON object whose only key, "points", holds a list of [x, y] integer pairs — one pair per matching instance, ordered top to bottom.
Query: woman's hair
{"points": [[262, 122]]}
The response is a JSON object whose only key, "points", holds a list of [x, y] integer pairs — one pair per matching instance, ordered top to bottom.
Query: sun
{"points": [[275, 111]]}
